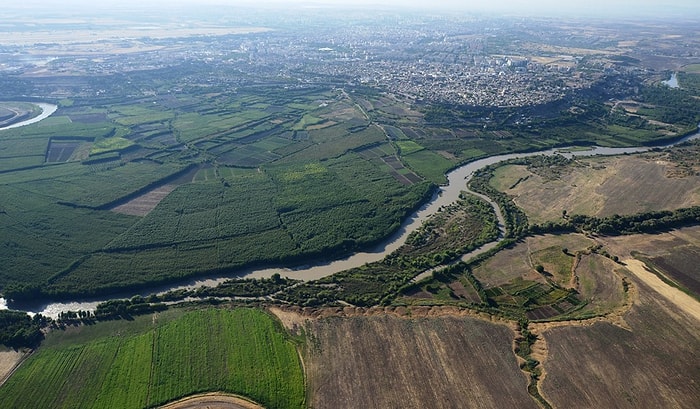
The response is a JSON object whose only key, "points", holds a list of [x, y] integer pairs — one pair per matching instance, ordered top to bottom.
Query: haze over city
{"points": [[597, 8]]}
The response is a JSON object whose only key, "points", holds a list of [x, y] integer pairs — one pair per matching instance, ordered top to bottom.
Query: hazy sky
{"points": [[685, 8]]}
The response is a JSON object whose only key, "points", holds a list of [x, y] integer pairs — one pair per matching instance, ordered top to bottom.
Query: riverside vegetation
{"points": [[283, 174], [256, 181]]}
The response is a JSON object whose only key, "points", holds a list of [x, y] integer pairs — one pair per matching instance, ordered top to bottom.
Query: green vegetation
{"points": [[110, 144], [429, 164], [263, 177], [306, 195], [453, 231], [19, 330], [157, 359]]}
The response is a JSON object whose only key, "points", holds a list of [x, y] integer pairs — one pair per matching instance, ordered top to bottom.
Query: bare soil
{"points": [[602, 187], [142, 205], [675, 254], [681, 300], [9, 359], [385, 360], [651, 362], [212, 401]]}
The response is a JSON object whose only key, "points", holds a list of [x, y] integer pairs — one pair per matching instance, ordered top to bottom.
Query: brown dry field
{"points": [[601, 187], [142, 205], [652, 245], [675, 254], [517, 262], [600, 282], [418, 358], [8, 360], [653, 362], [212, 401]]}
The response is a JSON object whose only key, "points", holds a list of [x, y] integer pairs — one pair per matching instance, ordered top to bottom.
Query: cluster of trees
{"points": [[671, 105], [516, 219], [649, 222], [246, 287], [19, 330]]}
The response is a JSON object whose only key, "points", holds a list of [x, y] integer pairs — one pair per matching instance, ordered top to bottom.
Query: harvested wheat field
{"points": [[601, 187], [674, 255], [385, 361], [653, 363]]}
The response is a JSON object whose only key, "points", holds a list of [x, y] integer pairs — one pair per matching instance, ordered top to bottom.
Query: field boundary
{"points": [[683, 301], [6, 376], [205, 400]]}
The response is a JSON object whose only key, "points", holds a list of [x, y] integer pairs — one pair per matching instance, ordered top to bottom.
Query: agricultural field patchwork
{"points": [[191, 172], [543, 278]]}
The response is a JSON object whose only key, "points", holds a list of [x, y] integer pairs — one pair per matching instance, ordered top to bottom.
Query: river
{"points": [[46, 111], [457, 181]]}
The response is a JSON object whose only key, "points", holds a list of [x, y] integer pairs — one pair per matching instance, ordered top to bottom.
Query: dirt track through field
{"points": [[677, 297], [212, 401]]}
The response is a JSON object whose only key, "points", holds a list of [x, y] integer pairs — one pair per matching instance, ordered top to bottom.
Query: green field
{"points": [[261, 177], [158, 359]]}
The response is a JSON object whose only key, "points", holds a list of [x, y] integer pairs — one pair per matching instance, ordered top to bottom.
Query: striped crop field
{"points": [[241, 351]]}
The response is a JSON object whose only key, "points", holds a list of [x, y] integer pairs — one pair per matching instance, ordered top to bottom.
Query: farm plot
{"points": [[89, 118], [61, 150], [385, 154], [428, 164], [90, 186], [600, 187], [142, 205], [674, 255], [681, 265], [572, 278], [157, 359], [440, 362], [651, 363]]}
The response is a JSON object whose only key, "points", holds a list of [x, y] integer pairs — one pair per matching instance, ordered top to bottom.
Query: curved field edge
{"points": [[160, 358], [648, 360], [206, 400]]}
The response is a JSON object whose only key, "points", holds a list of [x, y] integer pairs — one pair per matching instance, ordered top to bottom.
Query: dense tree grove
{"points": [[18, 329]]}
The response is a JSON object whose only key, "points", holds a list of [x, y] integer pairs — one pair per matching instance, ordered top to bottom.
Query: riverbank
{"points": [[46, 111], [446, 195]]}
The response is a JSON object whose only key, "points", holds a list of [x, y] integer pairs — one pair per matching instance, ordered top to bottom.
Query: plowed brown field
{"points": [[384, 361], [655, 363]]}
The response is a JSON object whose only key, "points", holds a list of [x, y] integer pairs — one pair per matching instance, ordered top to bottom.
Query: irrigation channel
{"points": [[446, 195]]}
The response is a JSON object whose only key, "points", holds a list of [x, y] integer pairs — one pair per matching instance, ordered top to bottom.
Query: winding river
{"points": [[46, 111], [457, 181]]}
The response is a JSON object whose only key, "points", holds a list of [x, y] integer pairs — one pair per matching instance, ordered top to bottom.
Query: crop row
{"points": [[240, 351]]}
